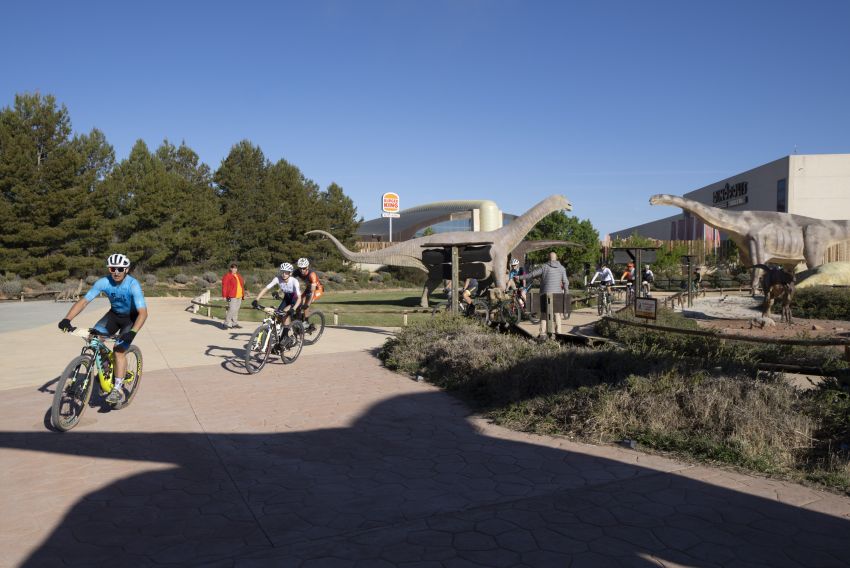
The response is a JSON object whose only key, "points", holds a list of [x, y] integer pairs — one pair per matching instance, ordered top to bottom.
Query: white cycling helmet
{"points": [[117, 260], [515, 262], [303, 263], [286, 267]]}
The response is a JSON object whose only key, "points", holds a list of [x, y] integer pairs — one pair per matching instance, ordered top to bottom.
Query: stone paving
{"points": [[335, 461]]}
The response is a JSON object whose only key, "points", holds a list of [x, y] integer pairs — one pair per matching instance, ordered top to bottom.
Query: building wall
{"points": [[814, 185], [820, 186]]}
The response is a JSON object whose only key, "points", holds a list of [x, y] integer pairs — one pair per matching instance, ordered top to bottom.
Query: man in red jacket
{"points": [[233, 290]]}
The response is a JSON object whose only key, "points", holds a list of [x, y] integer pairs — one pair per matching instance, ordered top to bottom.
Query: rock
{"points": [[763, 322], [816, 327], [838, 329]]}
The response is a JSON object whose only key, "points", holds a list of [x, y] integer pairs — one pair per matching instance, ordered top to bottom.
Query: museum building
{"points": [[812, 185], [439, 217]]}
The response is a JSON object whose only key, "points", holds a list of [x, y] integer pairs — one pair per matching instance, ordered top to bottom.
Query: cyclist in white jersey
{"points": [[289, 289]]}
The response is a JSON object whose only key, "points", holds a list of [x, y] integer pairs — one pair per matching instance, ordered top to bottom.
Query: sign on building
{"points": [[390, 203]]}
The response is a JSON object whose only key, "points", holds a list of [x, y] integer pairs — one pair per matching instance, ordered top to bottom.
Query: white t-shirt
{"points": [[606, 274], [288, 287]]}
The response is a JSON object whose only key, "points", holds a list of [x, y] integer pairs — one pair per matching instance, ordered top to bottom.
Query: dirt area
{"points": [[734, 313]]}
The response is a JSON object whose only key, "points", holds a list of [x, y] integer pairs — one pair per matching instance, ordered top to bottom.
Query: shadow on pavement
{"points": [[212, 323], [410, 481]]}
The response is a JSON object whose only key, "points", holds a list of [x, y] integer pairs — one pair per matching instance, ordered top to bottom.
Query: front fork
{"points": [[106, 382]]}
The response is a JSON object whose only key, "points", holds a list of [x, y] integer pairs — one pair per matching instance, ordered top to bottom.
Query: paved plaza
{"points": [[335, 461]]}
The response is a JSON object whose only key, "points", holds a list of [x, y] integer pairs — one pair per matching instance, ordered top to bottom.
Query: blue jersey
{"points": [[520, 277], [125, 298]]}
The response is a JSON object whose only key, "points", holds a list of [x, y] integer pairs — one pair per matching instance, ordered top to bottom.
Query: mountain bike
{"points": [[630, 293], [603, 298], [479, 309], [514, 309], [314, 324], [269, 338], [96, 361]]}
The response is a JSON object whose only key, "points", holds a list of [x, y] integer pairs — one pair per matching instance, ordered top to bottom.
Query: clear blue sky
{"points": [[605, 102]]}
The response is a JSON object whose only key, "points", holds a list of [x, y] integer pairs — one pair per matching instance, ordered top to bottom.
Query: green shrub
{"points": [[211, 277], [180, 278], [150, 279], [11, 288], [822, 302]]}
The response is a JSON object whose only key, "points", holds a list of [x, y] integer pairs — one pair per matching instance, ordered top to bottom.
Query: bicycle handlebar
{"points": [[88, 333]]}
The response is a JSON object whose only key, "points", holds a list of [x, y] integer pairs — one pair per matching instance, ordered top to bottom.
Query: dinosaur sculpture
{"points": [[767, 236], [483, 254], [777, 284]]}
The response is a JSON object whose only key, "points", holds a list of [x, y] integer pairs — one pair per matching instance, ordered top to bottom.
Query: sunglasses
{"points": [[117, 269]]}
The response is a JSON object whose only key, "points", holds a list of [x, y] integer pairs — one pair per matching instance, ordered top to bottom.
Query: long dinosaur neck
{"points": [[710, 215], [515, 232]]}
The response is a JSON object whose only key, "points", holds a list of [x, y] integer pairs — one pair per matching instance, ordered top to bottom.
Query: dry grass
{"points": [[664, 400]]}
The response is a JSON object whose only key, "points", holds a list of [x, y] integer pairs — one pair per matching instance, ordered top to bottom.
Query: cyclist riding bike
{"points": [[629, 274], [606, 277], [628, 277], [518, 280], [646, 280], [470, 287], [313, 289], [290, 293], [126, 316]]}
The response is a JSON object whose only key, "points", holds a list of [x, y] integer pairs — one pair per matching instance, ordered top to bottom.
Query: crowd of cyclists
{"points": [[298, 287], [128, 310]]}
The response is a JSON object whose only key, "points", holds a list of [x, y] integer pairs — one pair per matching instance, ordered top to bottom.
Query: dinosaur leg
{"points": [[815, 243], [755, 258], [435, 277], [768, 303]]}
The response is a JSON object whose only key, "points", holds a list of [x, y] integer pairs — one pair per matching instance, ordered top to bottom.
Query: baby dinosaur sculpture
{"points": [[767, 236], [483, 254], [777, 285]]}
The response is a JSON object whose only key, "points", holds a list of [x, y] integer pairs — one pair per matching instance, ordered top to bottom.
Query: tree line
{"points": [[65, 203]]}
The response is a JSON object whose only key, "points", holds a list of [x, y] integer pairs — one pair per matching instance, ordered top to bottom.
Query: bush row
{"points": [[714, 409]]}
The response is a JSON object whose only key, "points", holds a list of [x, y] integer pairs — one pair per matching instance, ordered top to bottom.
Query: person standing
{"points": [[553, 280], [233, 291]]}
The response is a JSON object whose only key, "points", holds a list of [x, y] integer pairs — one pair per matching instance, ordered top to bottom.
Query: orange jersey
{"points": [[309, 280]]}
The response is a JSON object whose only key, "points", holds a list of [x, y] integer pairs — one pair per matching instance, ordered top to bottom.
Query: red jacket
{"points": [[228, 285]]}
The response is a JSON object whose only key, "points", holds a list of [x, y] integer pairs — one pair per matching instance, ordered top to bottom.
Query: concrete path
{"points": [[335, 461]]}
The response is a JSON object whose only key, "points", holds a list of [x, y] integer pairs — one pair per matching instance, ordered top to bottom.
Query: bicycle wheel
{"points": [[600, 304], [440, 309], [480, 311], [510, 312], [314, 327], [290, 346], [258, 348], [133, 377], [72, 393]]}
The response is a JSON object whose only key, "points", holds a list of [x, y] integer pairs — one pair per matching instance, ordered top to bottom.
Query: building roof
{"points": [[422, 216]]}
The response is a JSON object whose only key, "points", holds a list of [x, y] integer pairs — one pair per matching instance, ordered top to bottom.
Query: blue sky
{"points": [[604, 102]]}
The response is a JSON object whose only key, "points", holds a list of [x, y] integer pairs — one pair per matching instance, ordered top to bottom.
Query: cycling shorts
{"points": [[313, 296], [288, 301], [116, 324]]}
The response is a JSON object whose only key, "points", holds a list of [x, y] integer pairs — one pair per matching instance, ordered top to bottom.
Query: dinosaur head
{"points": [[661, 199]]}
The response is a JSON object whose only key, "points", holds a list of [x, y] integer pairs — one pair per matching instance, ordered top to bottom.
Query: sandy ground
{"points": [[734, 313]]}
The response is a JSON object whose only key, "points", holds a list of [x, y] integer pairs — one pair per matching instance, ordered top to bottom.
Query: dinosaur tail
{"points": [[389, 255]]}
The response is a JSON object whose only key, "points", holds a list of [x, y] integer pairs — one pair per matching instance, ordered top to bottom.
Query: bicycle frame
{"points": [[95, 349]]}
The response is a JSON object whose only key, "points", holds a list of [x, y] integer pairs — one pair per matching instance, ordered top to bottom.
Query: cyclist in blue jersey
{"points": [[125, 318]]}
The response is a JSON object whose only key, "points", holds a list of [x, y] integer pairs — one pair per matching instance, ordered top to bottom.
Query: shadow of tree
{"points": [[411, 480]]}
